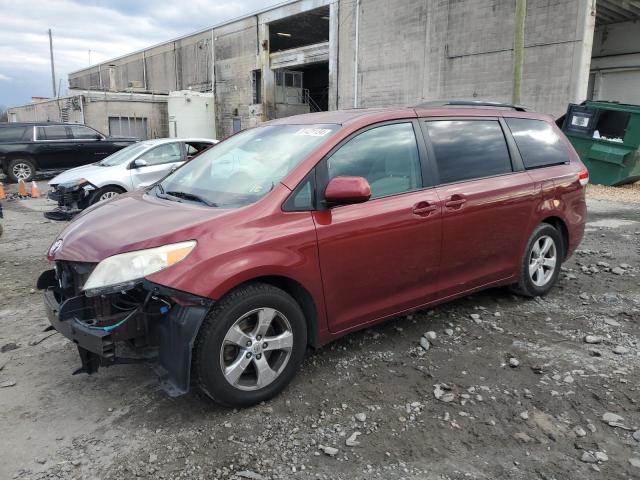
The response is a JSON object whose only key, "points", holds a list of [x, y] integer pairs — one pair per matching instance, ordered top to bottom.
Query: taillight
{"points": [[583, 176]]}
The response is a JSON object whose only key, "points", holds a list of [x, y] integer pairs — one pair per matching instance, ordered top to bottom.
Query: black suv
{"points": [[29, 147]]}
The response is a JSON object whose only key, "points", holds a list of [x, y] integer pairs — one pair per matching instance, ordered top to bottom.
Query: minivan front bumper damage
{"points": [[148, 323]]}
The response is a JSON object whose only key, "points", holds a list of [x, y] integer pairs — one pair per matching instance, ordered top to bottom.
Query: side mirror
{"points": [[99, 137], [139, 162], [347, 190]]}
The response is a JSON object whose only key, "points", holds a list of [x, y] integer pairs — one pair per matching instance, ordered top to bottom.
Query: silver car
{"points": [[136, 166]]}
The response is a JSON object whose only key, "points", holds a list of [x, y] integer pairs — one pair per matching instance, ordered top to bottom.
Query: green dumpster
{"points": [[606, 135]]}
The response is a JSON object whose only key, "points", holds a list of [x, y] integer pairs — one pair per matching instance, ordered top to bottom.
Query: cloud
{"points": [[95, 30]]}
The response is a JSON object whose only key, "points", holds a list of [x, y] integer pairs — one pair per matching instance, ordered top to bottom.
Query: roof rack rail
{"points": [[471, 103]]}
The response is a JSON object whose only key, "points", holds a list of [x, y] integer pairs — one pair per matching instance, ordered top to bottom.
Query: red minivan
{"points": [[303, 229]]}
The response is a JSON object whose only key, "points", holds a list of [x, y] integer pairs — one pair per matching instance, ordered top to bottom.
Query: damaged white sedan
{"points": [[136, 166]]}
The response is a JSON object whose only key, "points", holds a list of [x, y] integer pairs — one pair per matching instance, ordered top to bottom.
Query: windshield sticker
{"points": [[313, 132]]}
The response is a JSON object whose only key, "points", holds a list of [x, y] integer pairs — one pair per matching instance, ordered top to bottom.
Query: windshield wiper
{"points": [[191, 196]]}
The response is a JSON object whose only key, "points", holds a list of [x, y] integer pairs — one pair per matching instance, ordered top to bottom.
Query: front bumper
{"points": [[71, 198], [160, 330]]}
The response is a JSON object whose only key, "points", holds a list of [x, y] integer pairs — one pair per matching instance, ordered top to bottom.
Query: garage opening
{"points": [[307, 28], [615, 58], [306, 86]]}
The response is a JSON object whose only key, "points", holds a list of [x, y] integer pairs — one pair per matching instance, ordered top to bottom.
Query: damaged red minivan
{"points": [[303, 229]]}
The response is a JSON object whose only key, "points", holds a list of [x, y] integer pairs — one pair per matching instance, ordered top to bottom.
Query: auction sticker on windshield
{"points": [[313, 132]]}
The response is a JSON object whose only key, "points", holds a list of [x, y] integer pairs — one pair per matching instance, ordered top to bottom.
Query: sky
{"points": [[92, 31]]}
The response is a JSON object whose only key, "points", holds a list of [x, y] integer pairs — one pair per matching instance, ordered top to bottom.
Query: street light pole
{"points": [[53, 71]]}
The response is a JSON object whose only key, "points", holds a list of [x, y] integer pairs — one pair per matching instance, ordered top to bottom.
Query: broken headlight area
{"points": [[72, 197], [144, 323]]}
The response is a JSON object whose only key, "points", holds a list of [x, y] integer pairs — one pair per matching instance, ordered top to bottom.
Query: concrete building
{"points": [[307, 55], [130, 114]]}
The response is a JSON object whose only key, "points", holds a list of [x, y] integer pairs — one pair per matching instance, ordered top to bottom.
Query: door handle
{"points": [[455, 201], [424, 209]]}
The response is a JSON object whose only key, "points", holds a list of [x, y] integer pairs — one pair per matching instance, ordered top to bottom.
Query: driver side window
{"points": [[168, 153], [386, 156]]}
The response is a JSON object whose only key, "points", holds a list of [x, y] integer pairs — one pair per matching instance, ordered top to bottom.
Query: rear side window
{"points": [[54, 132], [13, 134], [538, 143], [468, 149], [386, 156]]}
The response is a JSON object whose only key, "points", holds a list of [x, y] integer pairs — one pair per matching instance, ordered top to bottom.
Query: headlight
{"points": [[73, 183], [125, 269]]}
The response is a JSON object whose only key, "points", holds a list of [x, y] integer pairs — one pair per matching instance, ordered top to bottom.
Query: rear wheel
{"points": [[21, 169], [105, 193], [541, 262], [250, 346]]}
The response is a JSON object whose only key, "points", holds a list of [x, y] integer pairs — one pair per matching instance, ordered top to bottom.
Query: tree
{"points": [[4, 115]]}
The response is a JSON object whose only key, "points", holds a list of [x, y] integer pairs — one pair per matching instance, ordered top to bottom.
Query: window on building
{"points": [[256, 86], [53, 132], [80, 132], [538, 143], [467, 149], [168, 153], [386, 156]]}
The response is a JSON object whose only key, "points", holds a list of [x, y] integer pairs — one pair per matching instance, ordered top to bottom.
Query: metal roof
{"points": [[616, 11]]}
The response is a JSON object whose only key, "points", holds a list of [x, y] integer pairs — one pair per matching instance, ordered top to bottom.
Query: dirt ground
{"points": [[509, 388]]}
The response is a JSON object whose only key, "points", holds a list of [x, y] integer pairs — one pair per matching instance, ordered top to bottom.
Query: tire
{"points": [[21, 169], [105, 193], [541, 262], [222, 343]]}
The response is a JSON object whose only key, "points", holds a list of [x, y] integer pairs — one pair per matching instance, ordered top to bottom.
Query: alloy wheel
{"points": [[21, 171], [107, 196], [542, 260], [256, 349]]}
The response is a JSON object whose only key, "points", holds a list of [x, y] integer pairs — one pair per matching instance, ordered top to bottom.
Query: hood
{"points": [[85, 171], [131, 222]]}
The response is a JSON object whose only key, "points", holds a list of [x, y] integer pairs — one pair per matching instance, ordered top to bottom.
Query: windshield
{"points": [[127, 153], [245, 167]]}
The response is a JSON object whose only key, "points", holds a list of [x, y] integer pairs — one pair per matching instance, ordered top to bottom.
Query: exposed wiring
{"points": [[110, 328]]}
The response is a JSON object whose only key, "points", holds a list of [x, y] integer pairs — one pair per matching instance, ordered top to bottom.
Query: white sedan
{"points": [[136, 166]]}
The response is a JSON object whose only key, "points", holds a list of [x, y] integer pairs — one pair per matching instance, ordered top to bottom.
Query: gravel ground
{"points": [[625, 193], [509, 387]]}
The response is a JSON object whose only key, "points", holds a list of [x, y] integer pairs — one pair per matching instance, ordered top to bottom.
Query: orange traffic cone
{"points": [[22, 189], [35, 190], [3, 194]]}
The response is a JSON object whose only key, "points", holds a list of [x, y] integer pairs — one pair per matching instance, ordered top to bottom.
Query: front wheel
{"points": [[21, 169], [105, 193], [541, 262], [250, 346]]}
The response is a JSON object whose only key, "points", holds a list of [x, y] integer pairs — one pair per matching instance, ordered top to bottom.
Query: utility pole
{"points": [[518, 50], [53, 71]]}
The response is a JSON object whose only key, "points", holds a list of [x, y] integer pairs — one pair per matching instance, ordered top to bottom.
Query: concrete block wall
{"points": [[434, 49], [236, 55], [175, 65], [97, 108], [46, 111], [97, 113]]}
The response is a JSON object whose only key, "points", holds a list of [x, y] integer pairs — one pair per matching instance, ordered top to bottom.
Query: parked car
{"points": [[26, 148], [136, 166], [303, 229]]}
